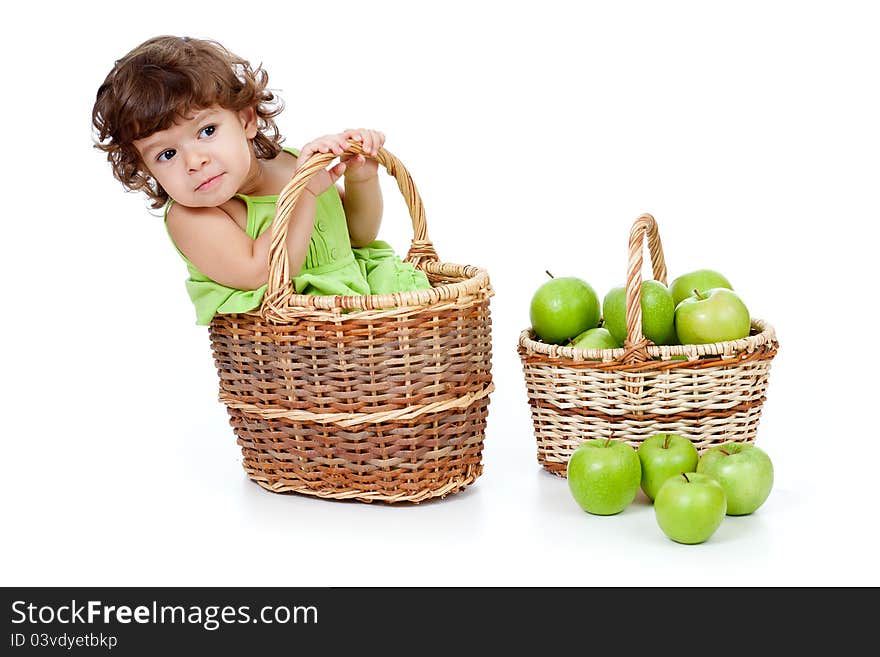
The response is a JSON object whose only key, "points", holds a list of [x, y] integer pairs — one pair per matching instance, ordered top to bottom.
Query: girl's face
{"points": [[203, 160]]}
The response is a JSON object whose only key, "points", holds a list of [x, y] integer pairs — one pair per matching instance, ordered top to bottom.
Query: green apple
{"points": [[701, 279], [563, 308], [658, 313], [718, 315], [595, 338], [665, 455], [744, 471], [604, 475], [690, 507]]}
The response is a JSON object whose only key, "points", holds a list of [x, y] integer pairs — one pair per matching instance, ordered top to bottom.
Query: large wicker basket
{"points": [[715, 394], [372, 398]]}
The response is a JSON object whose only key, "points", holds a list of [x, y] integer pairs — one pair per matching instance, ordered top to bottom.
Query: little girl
{"points": [[192, 125]]}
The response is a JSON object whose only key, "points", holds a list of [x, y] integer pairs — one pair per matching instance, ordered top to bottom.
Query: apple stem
{"points": [[549, 274], [698, 295], [666, 442], [724, 451], [685, 477]]}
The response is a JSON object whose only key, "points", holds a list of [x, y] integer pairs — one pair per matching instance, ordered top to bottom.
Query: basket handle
{"points": [[645, 226], [421, 249]]}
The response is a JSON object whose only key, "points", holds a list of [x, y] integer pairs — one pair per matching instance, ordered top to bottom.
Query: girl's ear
{"points": [[248, 118]]}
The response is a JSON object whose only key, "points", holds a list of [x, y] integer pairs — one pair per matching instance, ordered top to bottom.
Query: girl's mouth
{"points": [[210, 183]]}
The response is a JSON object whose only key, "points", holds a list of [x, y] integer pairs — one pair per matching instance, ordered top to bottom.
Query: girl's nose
{"points": [[196, 159]]}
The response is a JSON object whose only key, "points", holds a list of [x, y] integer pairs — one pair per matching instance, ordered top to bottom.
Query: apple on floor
{"points": [[744, 471], [604, 476], [690, 507]]}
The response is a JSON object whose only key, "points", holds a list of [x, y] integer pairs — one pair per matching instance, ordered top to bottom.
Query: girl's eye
{"points": [[208, 130], [166, 155]]}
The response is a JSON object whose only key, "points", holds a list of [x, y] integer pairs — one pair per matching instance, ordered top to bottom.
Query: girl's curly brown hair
{"points": [[160, 82]]}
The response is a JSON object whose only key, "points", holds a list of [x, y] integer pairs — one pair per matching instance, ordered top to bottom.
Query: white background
{"points": [[536, 133]]}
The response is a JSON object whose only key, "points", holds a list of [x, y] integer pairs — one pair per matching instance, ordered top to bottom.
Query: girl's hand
{"points": [[356, 168], [360, 168], [325, 179]]}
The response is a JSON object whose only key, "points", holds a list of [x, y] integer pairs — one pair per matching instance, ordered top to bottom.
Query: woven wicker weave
{"points": [[713, 396], [386, 402]]}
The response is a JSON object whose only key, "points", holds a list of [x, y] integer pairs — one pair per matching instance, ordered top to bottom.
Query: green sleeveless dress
{"points": [[332, 266]]}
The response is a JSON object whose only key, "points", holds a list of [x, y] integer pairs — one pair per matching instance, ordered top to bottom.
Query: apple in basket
{"points": [[700, 279], [562, 308], [658, 313], [717, 315], [595, 338], [665, 455], [744, 471], [603, 476], [690, 507]]}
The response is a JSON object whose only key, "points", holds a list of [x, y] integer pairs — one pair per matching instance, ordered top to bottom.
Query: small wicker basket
{"points": [[713, 395], [372, 398]]}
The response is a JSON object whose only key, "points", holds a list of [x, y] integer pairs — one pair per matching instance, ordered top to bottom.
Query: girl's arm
{"points": [[362, 196], [362, 200], [300, 227], [299, 234], [223, 252]]}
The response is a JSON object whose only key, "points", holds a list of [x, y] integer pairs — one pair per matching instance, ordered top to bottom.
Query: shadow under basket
{"points": [[708, 393], [371, 398]]}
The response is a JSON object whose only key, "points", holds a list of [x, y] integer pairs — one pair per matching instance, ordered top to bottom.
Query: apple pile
{"points": [[699, 307], [691, 493]]}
